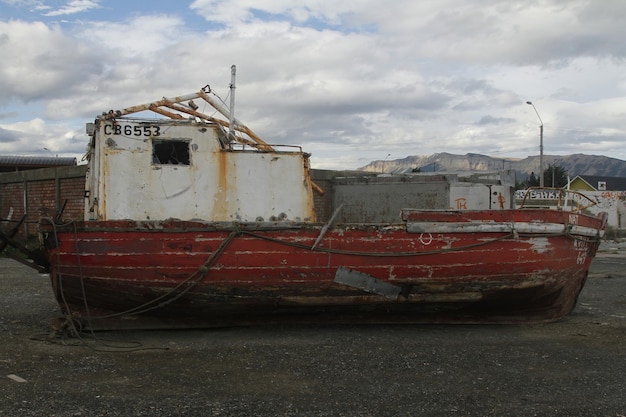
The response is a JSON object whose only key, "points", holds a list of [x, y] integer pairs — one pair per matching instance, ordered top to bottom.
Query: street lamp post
{"points": [[530, 103], [56, 156], [385, 163]]}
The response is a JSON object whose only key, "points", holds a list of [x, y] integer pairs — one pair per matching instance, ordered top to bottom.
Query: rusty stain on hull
{"points": [[209, 272]]}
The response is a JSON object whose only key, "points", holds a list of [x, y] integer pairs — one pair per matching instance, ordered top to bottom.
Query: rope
{"points": [[4, 220], [375, 254], [202, 271], [71, 325], [74, 326]]}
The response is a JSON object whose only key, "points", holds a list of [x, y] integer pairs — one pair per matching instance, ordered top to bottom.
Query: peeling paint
{"points": [[540, 245]]}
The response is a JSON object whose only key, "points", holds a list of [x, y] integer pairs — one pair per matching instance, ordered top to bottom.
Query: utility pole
{"points": [[540, 145]]}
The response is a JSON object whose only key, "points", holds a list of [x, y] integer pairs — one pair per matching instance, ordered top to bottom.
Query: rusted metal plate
{"points": [[366, 283]]}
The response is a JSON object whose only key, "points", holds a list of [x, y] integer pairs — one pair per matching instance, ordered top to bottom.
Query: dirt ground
{"points": [[575, 367]]}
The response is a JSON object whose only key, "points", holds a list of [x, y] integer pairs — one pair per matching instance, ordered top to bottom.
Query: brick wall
{"points": [[324, 179], [73, 191], [41, 192], [12, 199], [40, 199], [322, 203]]}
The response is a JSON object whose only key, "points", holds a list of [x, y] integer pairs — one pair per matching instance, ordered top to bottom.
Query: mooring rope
{"points": [[202, 271]]}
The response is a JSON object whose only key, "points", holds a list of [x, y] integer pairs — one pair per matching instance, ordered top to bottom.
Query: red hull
{"points": [[440, 266]]}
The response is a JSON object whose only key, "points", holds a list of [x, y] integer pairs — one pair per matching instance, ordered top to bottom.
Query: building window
{"points": [[170, 152]]}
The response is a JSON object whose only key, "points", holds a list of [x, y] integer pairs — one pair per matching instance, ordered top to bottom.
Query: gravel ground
{"points": [[575, 367]]}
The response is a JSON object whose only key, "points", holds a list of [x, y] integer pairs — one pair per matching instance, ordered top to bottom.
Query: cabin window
{"points": [[170, 152]]}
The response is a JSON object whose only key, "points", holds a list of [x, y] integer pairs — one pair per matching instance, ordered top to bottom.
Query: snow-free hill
{"points": [[577, 164]]}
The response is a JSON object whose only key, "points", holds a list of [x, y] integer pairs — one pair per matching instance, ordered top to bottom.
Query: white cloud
{"points": [[74, 6], [299, 11], [145, 36], [41, 61], [350, 81], [32, 136]]}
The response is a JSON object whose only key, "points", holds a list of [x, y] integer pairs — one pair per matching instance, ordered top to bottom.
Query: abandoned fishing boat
{"points": [[191, 219]]}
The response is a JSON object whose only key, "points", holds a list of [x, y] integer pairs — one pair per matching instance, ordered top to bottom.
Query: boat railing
{"points": [[238, 146], [564, 198]]}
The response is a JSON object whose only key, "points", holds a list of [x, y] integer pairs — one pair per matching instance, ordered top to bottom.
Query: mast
{"points": [[165, 105], [231, 120]]}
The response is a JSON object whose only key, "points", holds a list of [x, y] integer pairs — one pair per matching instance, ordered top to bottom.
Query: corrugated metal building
{"points": [[10, 163]]}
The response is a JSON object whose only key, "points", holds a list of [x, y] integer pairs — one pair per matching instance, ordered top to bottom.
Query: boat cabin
{"points": [[142, 169]]}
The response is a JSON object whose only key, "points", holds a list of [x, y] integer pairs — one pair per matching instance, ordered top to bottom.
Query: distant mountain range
{"points": [[577, 164]]}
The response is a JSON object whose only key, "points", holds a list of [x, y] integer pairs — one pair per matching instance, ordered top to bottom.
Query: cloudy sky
{"points": [[349, 81]]}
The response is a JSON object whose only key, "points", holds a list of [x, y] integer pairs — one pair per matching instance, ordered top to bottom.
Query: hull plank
{"points": [[214, 274]]}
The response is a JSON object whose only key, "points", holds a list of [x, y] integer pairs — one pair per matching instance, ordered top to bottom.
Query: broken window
{"points": [[170, 152]]}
